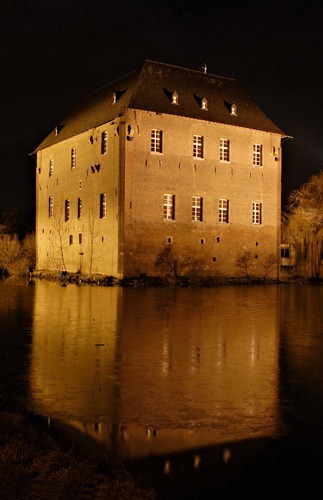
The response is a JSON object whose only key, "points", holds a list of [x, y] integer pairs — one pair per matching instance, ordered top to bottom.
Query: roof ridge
{"points": [[189, 69], [111, 83]]}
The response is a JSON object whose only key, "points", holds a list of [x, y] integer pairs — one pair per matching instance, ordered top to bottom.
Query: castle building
{"points": [[164, 170]]}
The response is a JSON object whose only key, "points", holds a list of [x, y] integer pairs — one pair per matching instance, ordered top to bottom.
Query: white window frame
{"points": [[156, 141], [104, 142], [198, 146], [225, 150], [257, 155], [73, 157], [51, 168], [103, 205], [51, 207], [169, 207], [79, 208], [197, 208], [67, 210], [223, 210], [257, 212]]}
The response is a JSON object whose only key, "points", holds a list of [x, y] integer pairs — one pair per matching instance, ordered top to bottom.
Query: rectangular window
{"points": [[156, 141], [104, 142], [198, 146], [224, 150], [257, 155], [73, 157], [51, 167], [103, 206], [50, 207], [169, 207], [79, 208], [197, 208], [67, 210], [223, 210], [256, 212], [80, 238], [71, 239], [285, 253]]}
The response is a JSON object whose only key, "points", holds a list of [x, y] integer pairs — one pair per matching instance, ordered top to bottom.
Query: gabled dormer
{"points": [[175, 97]]}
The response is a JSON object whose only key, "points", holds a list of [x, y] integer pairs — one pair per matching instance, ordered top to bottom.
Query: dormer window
{"points": [[174, 97], [114, 98], [204, 104], [233, 109]]}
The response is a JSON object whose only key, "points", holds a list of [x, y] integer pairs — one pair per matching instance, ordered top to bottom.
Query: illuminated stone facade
{"points": [[165, 161]]}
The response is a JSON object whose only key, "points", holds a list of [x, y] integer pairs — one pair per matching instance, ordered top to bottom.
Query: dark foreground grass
{"points": [[34, 465]]}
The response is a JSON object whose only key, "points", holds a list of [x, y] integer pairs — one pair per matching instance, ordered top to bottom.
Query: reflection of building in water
{"points": [[74, 350], [209, 359], [177, 368]]}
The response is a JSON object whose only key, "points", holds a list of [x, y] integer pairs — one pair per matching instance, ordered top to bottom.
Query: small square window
{"points": [[71, 239], [285, 253]]}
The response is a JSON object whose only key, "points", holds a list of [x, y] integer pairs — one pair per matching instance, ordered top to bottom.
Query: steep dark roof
{"points": [[151, 88]]}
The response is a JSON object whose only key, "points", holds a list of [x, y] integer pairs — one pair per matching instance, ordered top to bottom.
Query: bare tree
{"points": [[304, 226], [56, 241], [29, 249], [10, 251], [243, 262], [270, 262], [178, 265]]}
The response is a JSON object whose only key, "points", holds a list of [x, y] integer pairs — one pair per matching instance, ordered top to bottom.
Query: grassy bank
{"points": [[33, 465]]}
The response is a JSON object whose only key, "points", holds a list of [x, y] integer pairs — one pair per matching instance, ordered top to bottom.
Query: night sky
{"points": [[53, 53]]}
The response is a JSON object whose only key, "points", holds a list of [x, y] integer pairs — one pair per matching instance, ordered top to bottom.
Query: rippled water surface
{"points": [[152, 370]]}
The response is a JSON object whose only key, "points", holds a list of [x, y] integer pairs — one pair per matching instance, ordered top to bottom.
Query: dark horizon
{"points": [[54, 55]]}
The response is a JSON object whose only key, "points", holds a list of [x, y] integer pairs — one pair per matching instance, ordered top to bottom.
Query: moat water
{"points": [[151, 371]]}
